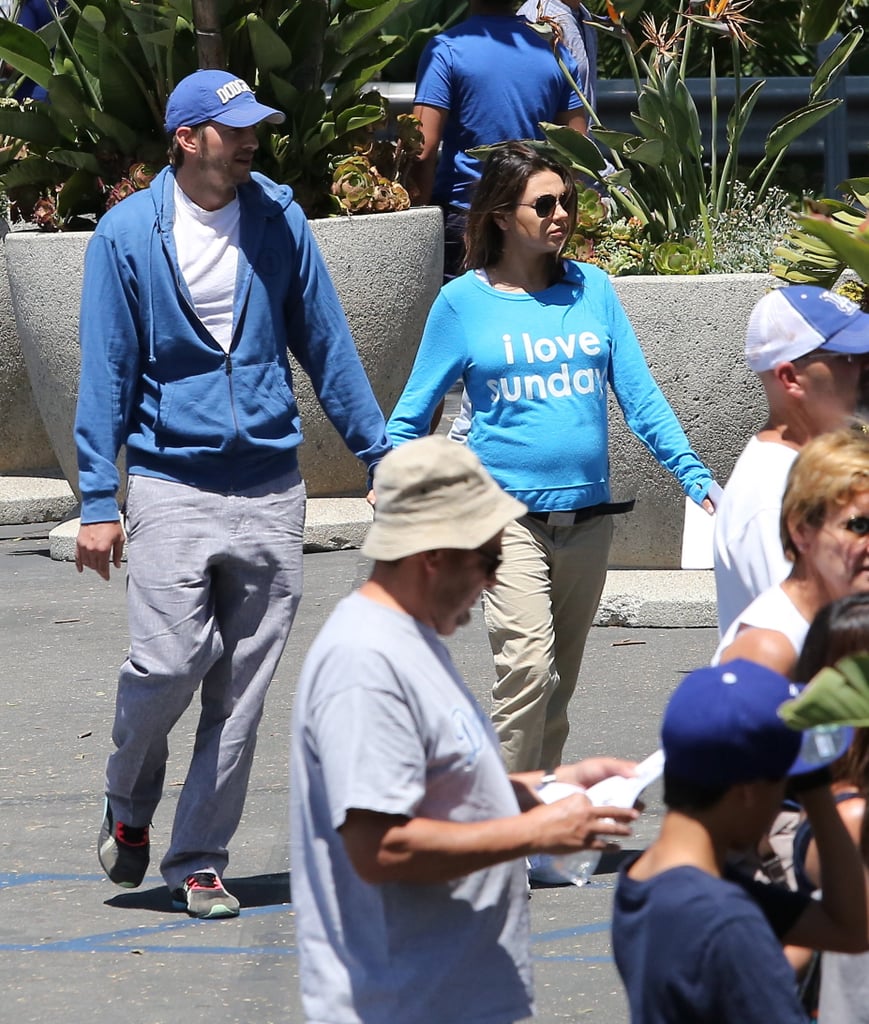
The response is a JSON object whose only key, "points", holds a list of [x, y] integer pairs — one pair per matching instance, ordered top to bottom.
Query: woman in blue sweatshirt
{"points": [[536, 339]]}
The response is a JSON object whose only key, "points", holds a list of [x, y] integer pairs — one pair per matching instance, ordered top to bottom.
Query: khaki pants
{"points": [[538, 617]]}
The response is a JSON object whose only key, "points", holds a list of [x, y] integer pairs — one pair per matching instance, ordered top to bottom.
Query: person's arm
{"points": [[576, 119], [422, 174], [108, 335], [319, 337], [440, 361], [647, 412], [765, 646], [581, 773], [388, 848], [838, 921]]}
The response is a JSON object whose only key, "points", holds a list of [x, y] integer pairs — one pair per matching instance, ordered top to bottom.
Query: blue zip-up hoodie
{"points": [[153, 377]]}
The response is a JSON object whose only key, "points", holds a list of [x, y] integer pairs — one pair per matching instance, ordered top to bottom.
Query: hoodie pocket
{"points": [[263, 403], [195, 412]]}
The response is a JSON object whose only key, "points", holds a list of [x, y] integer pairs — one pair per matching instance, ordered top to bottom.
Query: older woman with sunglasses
{"points": [[537, 339], [825, 533]]}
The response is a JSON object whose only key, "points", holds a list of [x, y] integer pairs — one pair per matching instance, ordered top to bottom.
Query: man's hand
{"points": [[97, 544], [595, 769], [575, 824]]}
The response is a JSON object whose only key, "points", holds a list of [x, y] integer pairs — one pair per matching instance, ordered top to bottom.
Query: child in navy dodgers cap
{"points": [[693, 939]]}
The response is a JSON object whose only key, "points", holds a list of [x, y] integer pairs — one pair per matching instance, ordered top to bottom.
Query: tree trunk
{"points": [[209, 40]]}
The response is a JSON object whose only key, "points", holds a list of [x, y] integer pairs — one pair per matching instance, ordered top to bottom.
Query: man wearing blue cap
{"points": [[194, 291], [808, 347], [693, 940]]}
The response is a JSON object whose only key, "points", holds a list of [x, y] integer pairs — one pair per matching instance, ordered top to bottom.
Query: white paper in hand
{"points": [[618, 791]]}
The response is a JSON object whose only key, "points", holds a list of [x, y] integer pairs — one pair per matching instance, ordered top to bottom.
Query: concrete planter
{"points": [[387, 269], [692, 330], [24, 444]]}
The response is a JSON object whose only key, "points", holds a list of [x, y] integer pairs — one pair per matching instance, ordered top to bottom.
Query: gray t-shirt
{"points": [[382, 721]]}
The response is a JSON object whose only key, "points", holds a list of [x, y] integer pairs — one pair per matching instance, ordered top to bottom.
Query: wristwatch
{"points": [[547, 778]]}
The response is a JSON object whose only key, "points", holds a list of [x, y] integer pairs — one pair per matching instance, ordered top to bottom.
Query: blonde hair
{"points": [[830, 470]]}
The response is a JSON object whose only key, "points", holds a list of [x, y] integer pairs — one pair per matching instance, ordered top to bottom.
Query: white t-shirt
{"points": [[207, 246], [748, 554], [772, 610]]}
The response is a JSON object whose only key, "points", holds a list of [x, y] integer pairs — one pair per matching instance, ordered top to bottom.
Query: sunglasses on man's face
{"points": [[544, 206]]}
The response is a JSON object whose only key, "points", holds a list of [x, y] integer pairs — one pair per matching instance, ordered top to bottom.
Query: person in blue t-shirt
{"points": [[34, 15], [490, 79], [537, 341], [694, 940]]}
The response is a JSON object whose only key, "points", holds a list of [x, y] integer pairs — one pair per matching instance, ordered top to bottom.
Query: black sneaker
{"points": [[123, 851], [203, 895]]}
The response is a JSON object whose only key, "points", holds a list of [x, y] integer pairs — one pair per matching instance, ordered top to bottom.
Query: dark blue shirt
{"points": [[695, 949]]}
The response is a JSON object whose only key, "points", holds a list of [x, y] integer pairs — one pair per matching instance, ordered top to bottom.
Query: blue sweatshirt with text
{"points": [[536, 368]]}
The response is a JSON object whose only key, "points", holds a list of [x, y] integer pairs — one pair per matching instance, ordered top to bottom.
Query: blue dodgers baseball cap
{"points": [[216, 96], [791, 322], [721, 727]]}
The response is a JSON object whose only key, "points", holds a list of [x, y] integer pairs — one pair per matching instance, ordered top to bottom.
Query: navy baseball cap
{"points": [[216, 96], [792, 322], [721, 727]]}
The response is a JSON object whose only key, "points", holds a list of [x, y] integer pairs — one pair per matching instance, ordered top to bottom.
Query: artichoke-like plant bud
{"points": [[410, 134], [381, 157], [141, 175], [353, 183], [124, 188], [381, 196], [400, 197], [590, 209], [45, 214], [580, 247], [678, 258], [838, 695]]}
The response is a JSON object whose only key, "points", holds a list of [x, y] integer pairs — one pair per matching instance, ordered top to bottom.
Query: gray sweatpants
{"points": [[213, 583]]}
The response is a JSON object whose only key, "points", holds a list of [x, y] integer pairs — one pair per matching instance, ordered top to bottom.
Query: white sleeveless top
{"points": [[773, 609]]}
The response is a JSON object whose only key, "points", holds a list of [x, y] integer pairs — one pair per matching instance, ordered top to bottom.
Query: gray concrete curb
{"points": [[32, 499], [331, 524], [642, 598], [650, 598]]}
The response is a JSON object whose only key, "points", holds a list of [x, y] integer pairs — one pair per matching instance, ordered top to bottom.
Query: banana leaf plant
{"points": [[109, 65], [661, 175], [830, 238]]}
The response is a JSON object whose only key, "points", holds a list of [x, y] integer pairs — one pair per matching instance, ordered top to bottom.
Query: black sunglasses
{"points": [[544, 206], [858, 525], [491, 560]]}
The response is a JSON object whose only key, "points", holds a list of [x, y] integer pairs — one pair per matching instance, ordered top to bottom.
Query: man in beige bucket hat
{"points": [[409, 838]]}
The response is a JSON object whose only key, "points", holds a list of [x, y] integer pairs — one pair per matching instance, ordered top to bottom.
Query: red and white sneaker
{"points": [[203, 895]]}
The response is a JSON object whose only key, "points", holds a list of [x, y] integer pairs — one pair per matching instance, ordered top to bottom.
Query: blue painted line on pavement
{"points": [[128, 939]]}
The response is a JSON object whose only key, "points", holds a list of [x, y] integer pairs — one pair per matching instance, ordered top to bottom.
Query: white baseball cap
{"points": [[792, 322]]}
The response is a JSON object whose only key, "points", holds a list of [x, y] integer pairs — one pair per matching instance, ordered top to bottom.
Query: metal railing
{"points": [[843, 134]]}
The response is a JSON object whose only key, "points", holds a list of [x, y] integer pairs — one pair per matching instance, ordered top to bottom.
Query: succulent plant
{"points": [[110, 65]]}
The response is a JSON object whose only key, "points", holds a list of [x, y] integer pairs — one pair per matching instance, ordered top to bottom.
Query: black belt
{"points": [[605, 508]]}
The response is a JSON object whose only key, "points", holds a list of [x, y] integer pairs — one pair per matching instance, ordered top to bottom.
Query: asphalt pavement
{"points": [[76, 948]]}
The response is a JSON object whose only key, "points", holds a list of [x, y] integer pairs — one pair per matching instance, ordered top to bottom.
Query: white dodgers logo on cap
{"points": [[232, 89], [841, 302]]}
